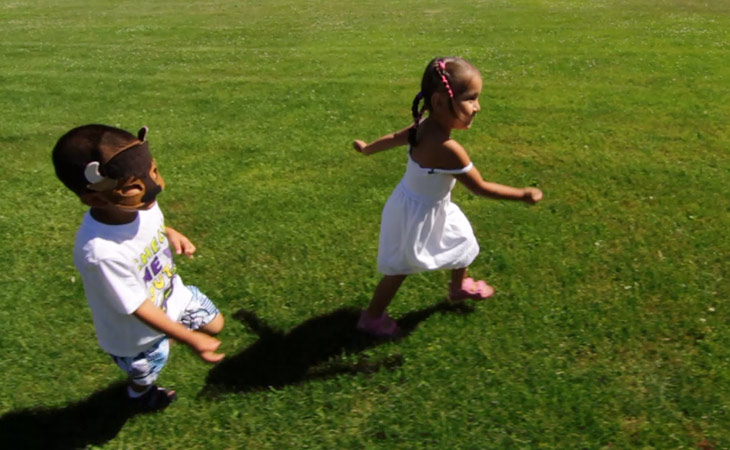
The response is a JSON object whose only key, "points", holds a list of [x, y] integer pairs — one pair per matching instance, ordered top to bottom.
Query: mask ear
{"points": [[142, 133]]}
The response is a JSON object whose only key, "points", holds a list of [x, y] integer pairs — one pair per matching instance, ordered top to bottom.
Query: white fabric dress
{"points": [[420, 228]]}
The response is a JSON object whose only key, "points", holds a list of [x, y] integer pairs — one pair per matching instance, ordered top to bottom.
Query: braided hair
{"points": [[449, 75]]}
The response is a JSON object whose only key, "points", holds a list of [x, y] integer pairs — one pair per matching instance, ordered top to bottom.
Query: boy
{"points": [[123, 252]]}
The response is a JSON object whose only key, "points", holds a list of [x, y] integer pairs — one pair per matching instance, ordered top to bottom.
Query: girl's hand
{"points": [[360, 145], [531, 195], [180, 243]]}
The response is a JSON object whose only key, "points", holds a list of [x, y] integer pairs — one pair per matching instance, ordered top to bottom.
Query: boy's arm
{"points": [[386, 142], [179, 242], [202, 343]]}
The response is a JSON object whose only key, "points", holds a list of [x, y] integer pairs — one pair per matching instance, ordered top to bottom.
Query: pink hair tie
{"points": [[442, 72]]}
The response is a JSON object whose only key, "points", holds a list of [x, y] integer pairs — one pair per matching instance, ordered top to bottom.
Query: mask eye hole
{"points": [[154, 172], [132, 189]]}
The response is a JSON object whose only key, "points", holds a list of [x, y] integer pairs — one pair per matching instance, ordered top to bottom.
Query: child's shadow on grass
{"points": [[313, 349], [92, 421]]}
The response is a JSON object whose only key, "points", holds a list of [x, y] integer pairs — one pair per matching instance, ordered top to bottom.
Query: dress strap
{"points": [[435, 170], [453, 171]]}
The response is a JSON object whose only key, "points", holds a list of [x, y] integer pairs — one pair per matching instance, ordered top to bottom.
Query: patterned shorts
{"points": [[144, 368]]}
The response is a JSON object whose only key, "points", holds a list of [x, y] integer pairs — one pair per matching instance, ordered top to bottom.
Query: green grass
{"points": [[609, 328]]}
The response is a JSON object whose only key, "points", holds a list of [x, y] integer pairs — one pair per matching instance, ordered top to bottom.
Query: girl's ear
{"points": [[439, 100]]}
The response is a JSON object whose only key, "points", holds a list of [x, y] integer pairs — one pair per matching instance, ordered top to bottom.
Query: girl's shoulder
{"points": [[436, 149], [448, 154]]}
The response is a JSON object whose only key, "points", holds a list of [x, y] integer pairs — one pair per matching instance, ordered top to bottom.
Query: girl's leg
{"points": [[457, 278], [462, 287], [384, 293], [373, 320]]}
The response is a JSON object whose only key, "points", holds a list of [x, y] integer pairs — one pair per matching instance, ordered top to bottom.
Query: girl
{"points": [[420, 228]]}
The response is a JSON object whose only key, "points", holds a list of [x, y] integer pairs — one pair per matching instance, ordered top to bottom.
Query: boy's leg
{"points": [[201, 314], [214, 326], [143, 371]]}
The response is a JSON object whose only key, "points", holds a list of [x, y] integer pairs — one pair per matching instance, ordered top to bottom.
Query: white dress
{"points": [[420, 228]]}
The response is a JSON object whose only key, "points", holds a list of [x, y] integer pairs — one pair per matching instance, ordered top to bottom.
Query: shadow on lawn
{"points": [[311, 350], [92, 421]]}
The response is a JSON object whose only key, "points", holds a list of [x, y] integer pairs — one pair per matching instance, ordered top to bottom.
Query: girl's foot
{"points": [[470, 289], [383, 326]]}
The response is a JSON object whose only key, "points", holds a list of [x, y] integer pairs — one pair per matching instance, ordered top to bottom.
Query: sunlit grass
{"points": [[608, 329]]}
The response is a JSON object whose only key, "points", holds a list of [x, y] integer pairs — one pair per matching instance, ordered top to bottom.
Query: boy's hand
{"points": [[359, 145], [531, 195], [180, 243], [200, 342], [206, 346]]}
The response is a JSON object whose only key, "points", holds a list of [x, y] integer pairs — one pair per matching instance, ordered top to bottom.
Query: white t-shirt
{"points": [[121, 266]]}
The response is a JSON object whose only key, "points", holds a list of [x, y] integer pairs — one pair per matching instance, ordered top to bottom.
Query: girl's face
{"points": [[466, 104]]}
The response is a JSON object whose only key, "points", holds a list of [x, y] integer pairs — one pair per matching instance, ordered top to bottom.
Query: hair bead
{"points": [[441, 67]]}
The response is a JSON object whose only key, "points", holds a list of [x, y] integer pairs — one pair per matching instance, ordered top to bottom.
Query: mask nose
{"points": [[153, 183], [152, 189], [151, 193]]}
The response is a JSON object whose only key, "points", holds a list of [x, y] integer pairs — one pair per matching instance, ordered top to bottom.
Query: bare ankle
{"points": [[373, 315]]}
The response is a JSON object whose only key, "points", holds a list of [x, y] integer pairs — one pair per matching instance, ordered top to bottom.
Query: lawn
{"points": [[609, 328]]}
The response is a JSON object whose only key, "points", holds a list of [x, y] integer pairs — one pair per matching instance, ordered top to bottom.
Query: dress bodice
{"points": [[429, 184], [420, 228]]}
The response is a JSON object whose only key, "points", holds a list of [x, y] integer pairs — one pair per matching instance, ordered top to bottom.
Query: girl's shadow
{"points": [[314, 349]]}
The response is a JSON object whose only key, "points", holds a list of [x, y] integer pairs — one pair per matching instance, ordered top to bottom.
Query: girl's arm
{"points": [[386, 142], [455, 156], [475, 183], [203, 344]]}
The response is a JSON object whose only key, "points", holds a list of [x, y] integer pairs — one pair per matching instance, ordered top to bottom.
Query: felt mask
{"points": [[126, 176]]}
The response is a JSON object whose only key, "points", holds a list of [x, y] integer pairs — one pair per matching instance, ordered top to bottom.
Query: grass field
{"points": [[610, 326]]}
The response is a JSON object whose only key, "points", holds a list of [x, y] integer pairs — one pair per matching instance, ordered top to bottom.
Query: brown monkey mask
{"points": [[126, 176]]}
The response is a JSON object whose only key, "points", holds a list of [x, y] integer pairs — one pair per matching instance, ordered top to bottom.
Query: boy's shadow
{"points": [[314, 349], [92, 421]]}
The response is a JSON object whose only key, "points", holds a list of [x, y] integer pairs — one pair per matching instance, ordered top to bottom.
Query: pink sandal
{"points": [[470, 289], [383, 327]]}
